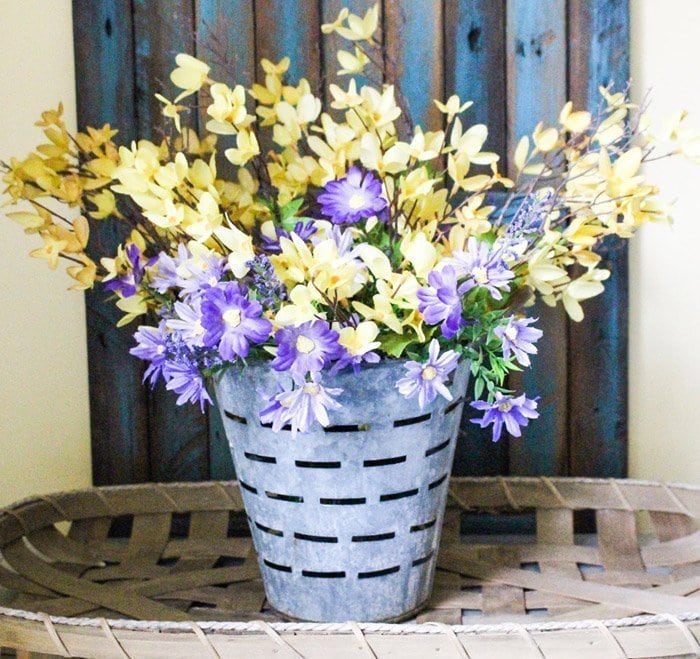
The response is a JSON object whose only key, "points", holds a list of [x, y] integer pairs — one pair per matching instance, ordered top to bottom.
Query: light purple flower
{"points": [[352, 198], [302, 229], [343, 239], [483, 267], [204, 273], [166, 275], [128, 283], [441, 301], [232, 321], [188, 323], [518, 339], [152, 345], [307, 348], [346, 359], [183, 377], [428, 380], [301, 406], [506, 410]]}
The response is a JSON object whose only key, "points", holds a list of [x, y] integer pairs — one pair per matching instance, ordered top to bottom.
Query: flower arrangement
{"points": [[342, 237]]}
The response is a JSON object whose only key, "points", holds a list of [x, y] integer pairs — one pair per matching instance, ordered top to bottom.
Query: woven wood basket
{"points": [[163, 571]]}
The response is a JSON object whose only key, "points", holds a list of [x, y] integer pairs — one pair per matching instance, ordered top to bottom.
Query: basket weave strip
{"points": [[176, 557]]}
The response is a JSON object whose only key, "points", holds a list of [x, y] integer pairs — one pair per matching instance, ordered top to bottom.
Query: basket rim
{"points": [[453, 479], [44, 621]]}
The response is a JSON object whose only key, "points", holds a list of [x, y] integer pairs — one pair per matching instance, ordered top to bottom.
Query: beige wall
{"points": [[665, 310], [44, 430], [44, 435]]}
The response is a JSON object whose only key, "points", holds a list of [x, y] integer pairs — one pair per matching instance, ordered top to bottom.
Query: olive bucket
{"points": [[346, 519]]}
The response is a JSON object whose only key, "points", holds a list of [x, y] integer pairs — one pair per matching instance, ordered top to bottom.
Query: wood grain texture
{"points": [[290, 29], [474, 33], [226, 40], [331, 43], [599, 55], [414, 56], [475, 63], [536, 74], [105, 93], [178, 435]]}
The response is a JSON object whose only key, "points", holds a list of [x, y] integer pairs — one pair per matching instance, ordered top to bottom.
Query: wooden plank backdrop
{"points": [[518, 60]]}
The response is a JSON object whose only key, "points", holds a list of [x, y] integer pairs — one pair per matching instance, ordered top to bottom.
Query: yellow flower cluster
{"points": [[284, 148]]}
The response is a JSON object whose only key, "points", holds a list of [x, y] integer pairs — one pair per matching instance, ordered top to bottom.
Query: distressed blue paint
{"points": [[227, 26], [162, 29], [290, 29], [332, 42], [414, 48], [599, 55], [536, 56], [475, 63], [536, 78]]}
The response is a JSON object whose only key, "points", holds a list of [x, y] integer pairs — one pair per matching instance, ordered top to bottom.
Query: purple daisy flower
{"points": [[352, 198], [302, 229], [343, 239], [484, 268], [203, 274], [166, 275], [128, 283], [441, 301], [232, 321], [188, 324], [518, 339], [152, 345], [306, 348], [346, 359], [183, 377], [428, 380], [301, 407], [510, 411]]}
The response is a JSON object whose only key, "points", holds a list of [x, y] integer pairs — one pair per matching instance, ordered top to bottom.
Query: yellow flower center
{"points": [[356, 201], [481, 275], [213, 281], [232, 317], [197, 329], [511, 333], [305, 345], [160, 350], [429, 373], [311, 388], [286, 402], [506, 406]]}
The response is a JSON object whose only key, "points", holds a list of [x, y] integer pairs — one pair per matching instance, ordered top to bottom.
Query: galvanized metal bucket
{"points": [[346, 520]]}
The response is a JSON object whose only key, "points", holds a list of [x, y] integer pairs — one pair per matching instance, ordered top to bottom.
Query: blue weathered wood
{"points": [[292, 29], [226, 41], [331, 43], [599, 55], [414, 56], [475, 64], [475, 70], [536, 78], [105, 93], [178, 436]]}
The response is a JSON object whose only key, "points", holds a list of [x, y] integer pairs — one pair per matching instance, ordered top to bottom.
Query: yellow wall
{"points": [[665, 307], [44, 429], [44, 434]]}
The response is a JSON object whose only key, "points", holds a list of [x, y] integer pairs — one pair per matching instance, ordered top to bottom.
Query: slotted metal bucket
{"points": [[346, 520]]}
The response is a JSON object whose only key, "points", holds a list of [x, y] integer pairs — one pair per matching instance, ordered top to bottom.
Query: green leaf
{"points": [[290, 209], [394, 345]]}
